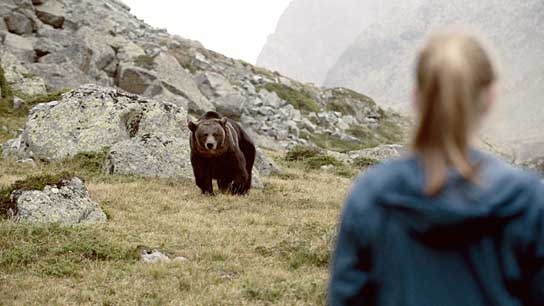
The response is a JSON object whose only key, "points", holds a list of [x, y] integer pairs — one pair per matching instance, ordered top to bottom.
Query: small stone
{"points": [[18, 103], [28, 161], [154, 256], [180, 259]]}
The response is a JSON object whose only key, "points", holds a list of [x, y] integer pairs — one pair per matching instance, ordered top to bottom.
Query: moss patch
{"points": [[298, 98]]}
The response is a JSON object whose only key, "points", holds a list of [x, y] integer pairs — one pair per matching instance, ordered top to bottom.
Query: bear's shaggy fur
{"points": [[221, 150]]}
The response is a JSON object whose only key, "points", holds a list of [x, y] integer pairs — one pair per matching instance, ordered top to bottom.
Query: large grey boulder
{"points": [[221, 93], [91, 118], [150, 156], [166, 157], [67, 202]]}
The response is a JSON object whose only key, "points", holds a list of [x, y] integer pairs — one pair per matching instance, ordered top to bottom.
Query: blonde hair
{"points": [[454, 73]]}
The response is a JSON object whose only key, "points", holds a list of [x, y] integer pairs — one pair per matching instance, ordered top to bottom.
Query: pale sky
{"points": [[236, 28]]}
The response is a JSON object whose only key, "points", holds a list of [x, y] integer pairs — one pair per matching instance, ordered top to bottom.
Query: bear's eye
{"points": [[206, 134], [215, 135]]}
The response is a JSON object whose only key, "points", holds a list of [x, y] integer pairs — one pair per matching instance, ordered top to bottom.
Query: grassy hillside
{"points": [[270, 248]]}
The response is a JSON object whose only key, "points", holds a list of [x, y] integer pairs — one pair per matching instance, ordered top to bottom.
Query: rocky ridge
{"points": [[54, 45]]}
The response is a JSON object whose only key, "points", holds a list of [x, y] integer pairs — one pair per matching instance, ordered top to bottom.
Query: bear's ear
{"points": [[223, 121], [192, 126]]}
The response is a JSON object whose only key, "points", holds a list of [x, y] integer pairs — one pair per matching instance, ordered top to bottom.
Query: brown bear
{"points": [[221, 150]]}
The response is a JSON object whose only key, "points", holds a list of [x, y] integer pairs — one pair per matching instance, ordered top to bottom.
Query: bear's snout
{"points": [[209, 145]]}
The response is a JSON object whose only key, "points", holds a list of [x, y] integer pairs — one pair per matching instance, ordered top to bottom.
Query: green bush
{"points": [[316, 162], [55, 250]]}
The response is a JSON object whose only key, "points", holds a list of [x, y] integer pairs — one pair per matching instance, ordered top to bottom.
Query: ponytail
{"points": [[452, 73]]}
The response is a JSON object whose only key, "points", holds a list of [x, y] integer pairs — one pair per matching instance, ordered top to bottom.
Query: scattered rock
{"points": [[51, 12], [18, 23], [134, 79], [177, 81], [27, 161], [67, 202], [154, 256]]}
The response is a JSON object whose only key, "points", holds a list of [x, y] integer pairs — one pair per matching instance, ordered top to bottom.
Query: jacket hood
{"points": [[463, 210]]}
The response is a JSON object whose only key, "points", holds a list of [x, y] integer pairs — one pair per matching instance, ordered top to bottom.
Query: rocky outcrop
{"points": [[66, 202]]}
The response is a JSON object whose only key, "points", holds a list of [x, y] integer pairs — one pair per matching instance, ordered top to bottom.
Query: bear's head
{"points": [[210, 135]]}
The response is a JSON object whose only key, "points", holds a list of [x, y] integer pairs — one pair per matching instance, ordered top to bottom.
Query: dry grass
{"points": [[269, 248]]}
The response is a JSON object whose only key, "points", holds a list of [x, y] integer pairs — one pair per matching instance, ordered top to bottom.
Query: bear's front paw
{"points": [[238, 188], [208, 193]]}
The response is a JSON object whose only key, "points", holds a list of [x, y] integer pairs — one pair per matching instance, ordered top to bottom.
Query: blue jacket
{"points": [[473, 244]]}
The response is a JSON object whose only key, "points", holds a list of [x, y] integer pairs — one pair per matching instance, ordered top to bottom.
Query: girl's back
{"points": [[449, 225], [471, 245]]}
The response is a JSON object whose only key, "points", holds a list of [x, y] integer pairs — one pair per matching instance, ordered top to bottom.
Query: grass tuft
{"points": [[299, 152], [54, 250]]}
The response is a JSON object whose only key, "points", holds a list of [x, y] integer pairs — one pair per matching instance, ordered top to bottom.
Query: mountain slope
{"points": [[312, 34], [52, 45]]}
